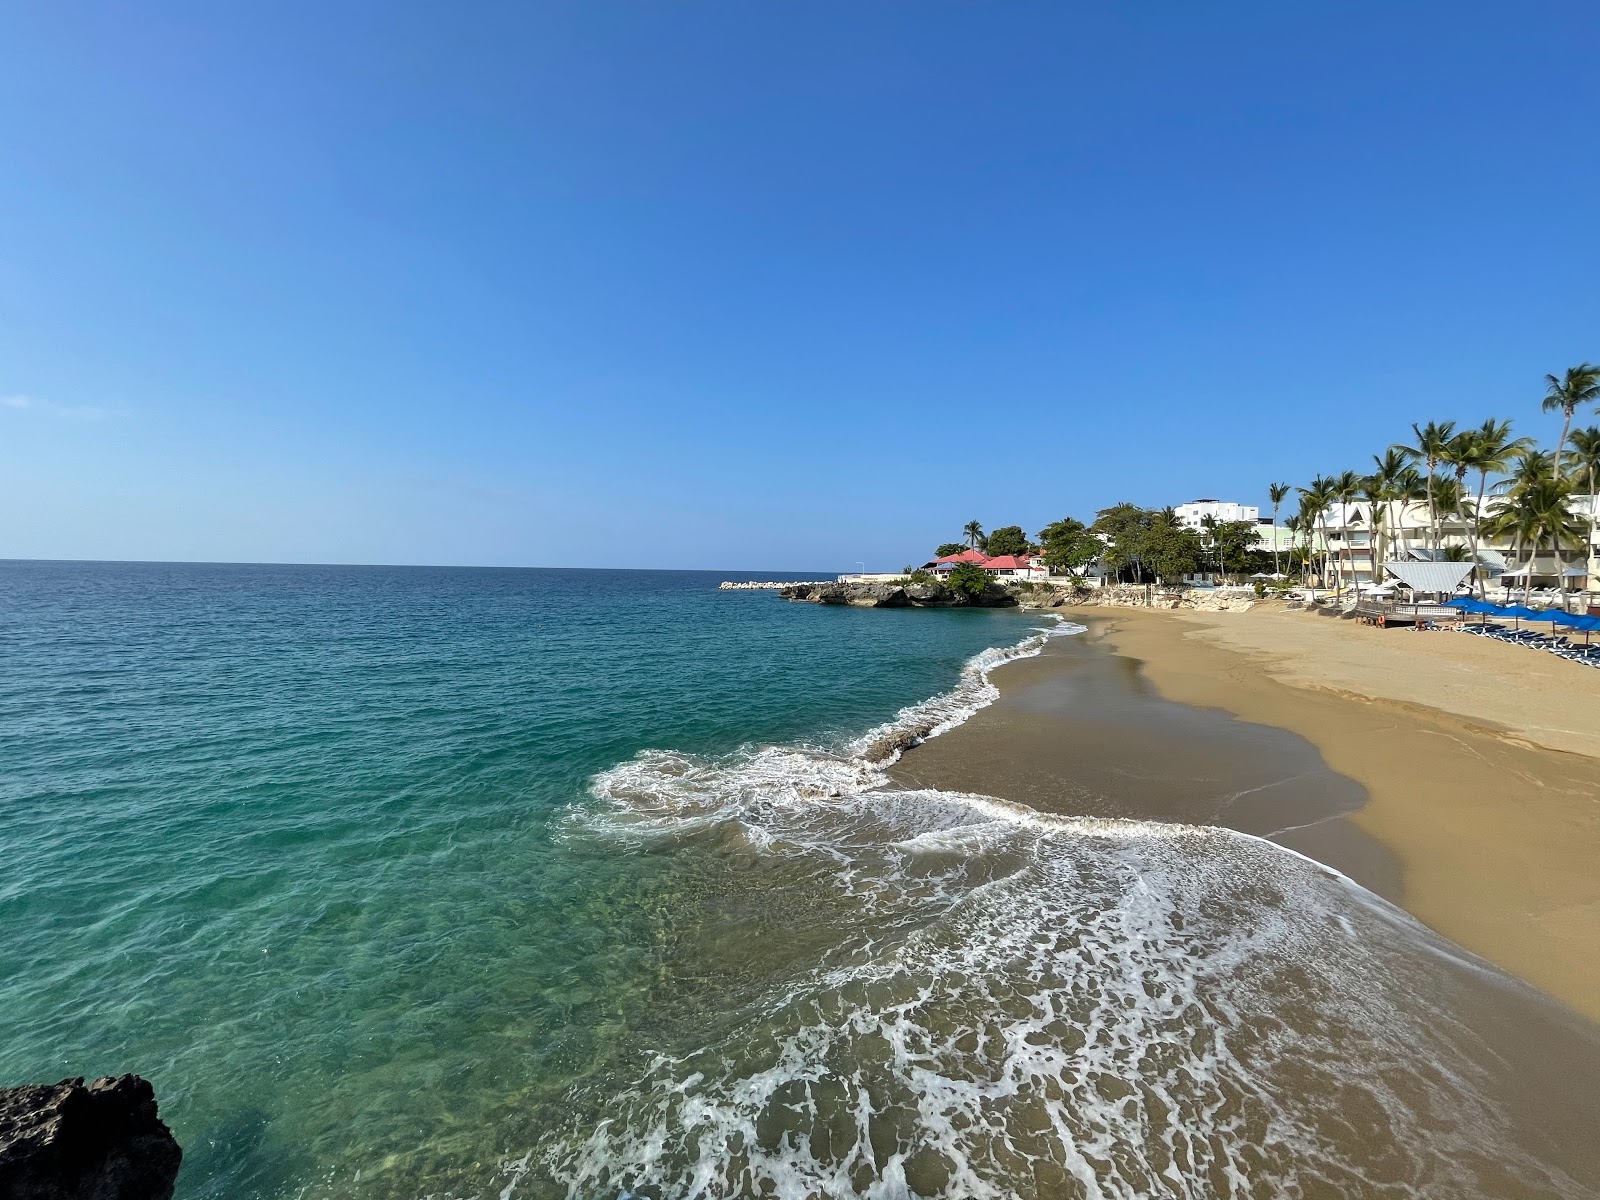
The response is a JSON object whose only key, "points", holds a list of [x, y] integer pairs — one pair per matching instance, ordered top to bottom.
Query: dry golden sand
{"points": [[1481, 761]]}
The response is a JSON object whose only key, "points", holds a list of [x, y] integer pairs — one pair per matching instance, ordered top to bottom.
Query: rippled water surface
{"points": [[294, 841], [413, 882]]}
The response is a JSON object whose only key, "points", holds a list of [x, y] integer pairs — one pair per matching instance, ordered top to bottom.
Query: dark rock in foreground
{"points": [[895, 595], [68, 1141]]}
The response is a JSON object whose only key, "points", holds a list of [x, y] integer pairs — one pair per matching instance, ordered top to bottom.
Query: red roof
{"points": [[968, 556], [1006, 562]]}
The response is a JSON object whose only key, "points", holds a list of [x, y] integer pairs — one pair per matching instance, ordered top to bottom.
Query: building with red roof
{"points": [[1002, 565]]}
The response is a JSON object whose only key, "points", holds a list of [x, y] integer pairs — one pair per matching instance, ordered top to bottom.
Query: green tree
{"points": [[1580, 385], [1432, 439], [1490, 450], [1585, 465], [1390, 481], [1346, 489], [1277, 493], [1314, 503], [1533, 510], [1292, 524], [1121, 529], [973, 532], [1008, 539], [1232, 542], [1068, 545], [946, 549], [1168, 549], [968, 579]]}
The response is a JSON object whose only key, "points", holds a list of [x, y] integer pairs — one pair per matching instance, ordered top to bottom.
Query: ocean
{"points": [[428, 882]]}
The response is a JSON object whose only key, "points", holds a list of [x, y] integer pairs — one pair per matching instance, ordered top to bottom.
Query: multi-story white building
{"points": [[1193, 514], [1354, 545]]}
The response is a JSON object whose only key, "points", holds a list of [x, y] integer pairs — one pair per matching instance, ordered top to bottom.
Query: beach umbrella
{"points": [[1466, 602], [1517, 612], [1574, 621], [1587, 624]]}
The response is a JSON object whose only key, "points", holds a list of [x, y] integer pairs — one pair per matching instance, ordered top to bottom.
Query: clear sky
{"points": [[760, 285]]}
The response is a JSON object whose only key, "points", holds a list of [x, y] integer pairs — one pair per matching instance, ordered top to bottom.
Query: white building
{"points": [[1190, 515]]}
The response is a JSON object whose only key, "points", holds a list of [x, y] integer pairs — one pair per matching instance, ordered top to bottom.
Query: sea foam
{"points": [[1010, 1003]]}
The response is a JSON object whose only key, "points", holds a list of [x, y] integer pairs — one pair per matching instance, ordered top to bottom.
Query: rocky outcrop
{"points": [[896, 595], [1128, 596], [68, 1141]]}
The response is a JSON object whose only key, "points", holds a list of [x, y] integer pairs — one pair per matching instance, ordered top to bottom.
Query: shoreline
{"points": [[1299, 729]]}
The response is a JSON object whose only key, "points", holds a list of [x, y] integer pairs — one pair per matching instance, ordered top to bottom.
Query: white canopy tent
{"points": [[1430, 576]]}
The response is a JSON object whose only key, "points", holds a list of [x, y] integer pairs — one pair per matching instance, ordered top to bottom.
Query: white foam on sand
{"points": [[1025, 1004]]}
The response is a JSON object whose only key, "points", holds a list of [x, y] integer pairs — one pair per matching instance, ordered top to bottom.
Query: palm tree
{"points": [[1580, 385], [1431, 441], [1490, 449], [1585, 456], [1586, 465], [1390, 477], [1346, 489], [1277, 492], [1374, 493], [1314, 501], [1531, 511], [1292, 524], [973, 532]]}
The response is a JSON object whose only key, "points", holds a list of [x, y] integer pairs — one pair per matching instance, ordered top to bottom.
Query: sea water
{"points": [[410, 882]]}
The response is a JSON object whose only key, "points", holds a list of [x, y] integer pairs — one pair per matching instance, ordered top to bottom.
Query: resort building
{"points": [[1193, 514], [1355, 541], [1004, 566]]}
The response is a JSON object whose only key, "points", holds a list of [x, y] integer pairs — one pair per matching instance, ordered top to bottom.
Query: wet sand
{"points": [[1316, 734]]}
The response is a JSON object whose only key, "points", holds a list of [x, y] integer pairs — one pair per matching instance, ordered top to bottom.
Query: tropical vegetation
{"points": [[1482, 479], [1496, 485]]}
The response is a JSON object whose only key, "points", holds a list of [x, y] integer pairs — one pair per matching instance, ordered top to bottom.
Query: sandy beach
{"points": [[1456, 776]]}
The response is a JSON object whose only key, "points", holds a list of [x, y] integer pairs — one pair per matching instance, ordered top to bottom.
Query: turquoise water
{"points": [[292, 841], [413, 883]]}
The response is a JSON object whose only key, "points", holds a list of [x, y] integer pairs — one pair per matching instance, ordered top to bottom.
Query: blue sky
{"points": [[759, 285]]}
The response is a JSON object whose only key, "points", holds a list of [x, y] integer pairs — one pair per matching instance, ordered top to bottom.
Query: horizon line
{"points": [[227, 562]]}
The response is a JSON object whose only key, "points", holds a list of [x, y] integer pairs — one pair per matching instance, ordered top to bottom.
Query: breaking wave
{"points": [[947, 995]]}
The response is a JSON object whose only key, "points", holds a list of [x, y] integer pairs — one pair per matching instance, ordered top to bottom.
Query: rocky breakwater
{"points": [[897, 595], [71, 1141]]}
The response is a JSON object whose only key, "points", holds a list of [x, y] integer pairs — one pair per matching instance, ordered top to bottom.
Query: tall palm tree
{"points": [[1580, 385], [1431, 441], [1490, 450], [1585, 465], [1532, 472], [1390, 478], [1346, 489], [1277, 492], [1377, 498], [1314, 501], [1532, 511], [1292, 524], [973, 532]]}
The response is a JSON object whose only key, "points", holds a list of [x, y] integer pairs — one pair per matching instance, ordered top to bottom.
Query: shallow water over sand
{"points": [[496, 884]]}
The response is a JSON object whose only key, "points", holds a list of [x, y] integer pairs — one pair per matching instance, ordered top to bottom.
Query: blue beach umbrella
{"points": [[1466, 602], [1517, 613], [1587, 624]]}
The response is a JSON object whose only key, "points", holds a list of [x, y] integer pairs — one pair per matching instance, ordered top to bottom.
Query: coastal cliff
{"points": [[897, 595], [69, 1141]]}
